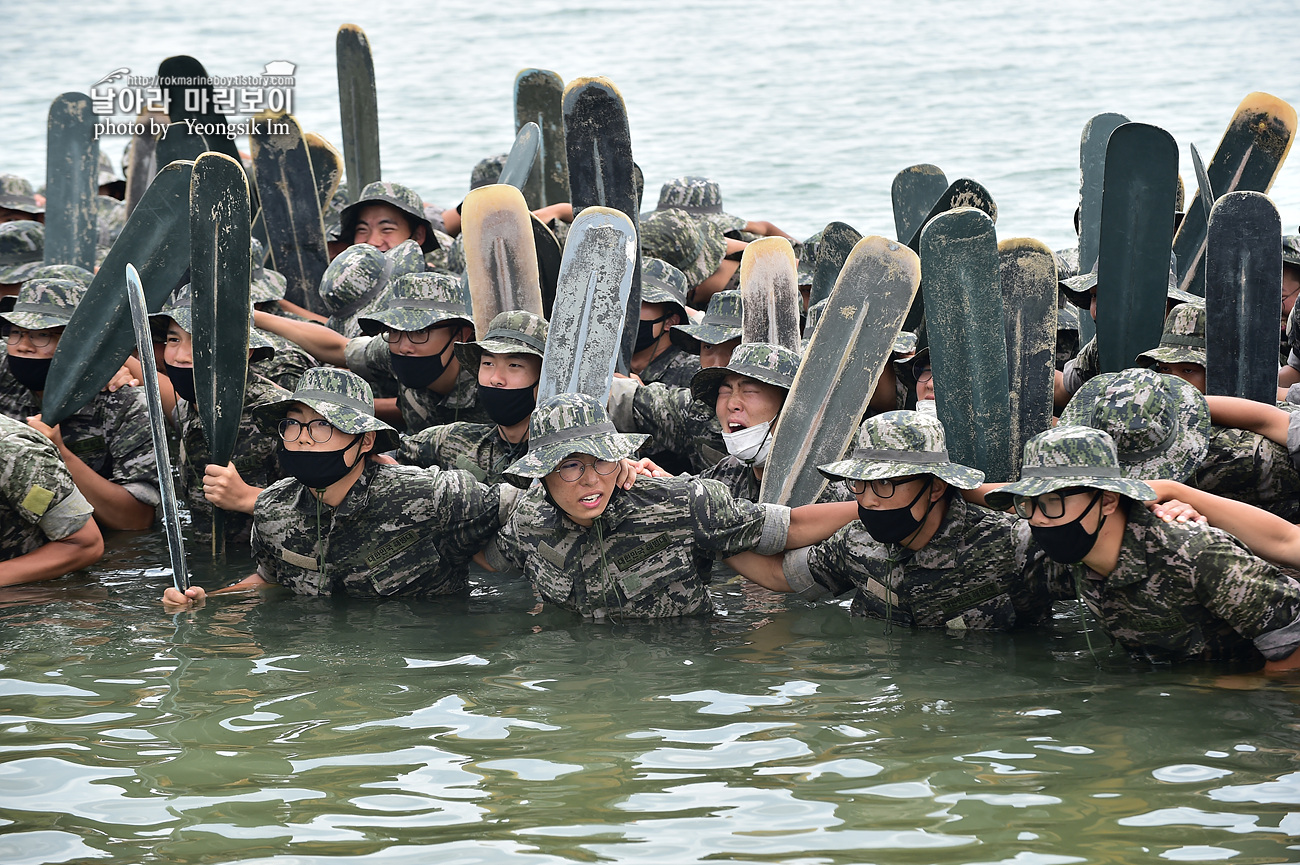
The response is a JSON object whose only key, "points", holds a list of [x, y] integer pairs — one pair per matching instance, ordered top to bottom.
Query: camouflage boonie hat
{"points": [[487, 171], [107, 173], [16, 193], [698, 196], [402, 197], [332, 215], [22, 243], [691, 245], [1291, 249], [807, 253], [1067, 262], [63, 271], [353, 272], [663, 283], [264, 285], [1078, 288], [416, 301], [43, 303], [179, 308], [1067, 318], [721, 323], [511, 332], [1183, 337], [904, 344], [771, 364], [905, 367], [341, 397], [571, 423], [1160, 424], [898, 443], [1069, 456]]}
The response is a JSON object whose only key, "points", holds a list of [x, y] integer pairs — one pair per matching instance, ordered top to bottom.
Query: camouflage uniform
{"points": [[16, 193], [402, 197], [702, 198], [691, 244], [22, 246], [664, 284], [353, 285], [414, 302], [721, 323], [288, 363], [1082, 367], [675, 421], [111, 433], [740, 481], [38, 501], [399, 531], [650, 553], [978, 571], [1178, 592]]}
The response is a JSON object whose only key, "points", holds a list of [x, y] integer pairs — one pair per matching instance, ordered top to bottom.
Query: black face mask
{"points": [[645, 333], [30, 371], [419, 371], [182, 378], [507, 406], [317, 469], [893, 526], [1070, 542]]}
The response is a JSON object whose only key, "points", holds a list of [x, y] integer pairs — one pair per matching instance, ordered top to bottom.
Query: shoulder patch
{"points": [[37, 500]]}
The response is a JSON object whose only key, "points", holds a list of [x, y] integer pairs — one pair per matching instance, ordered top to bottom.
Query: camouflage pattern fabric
{"points": [[487, 171], [16, 193], [698, 196], [402, 197], [332, 215], [110, 219], [690, 244], [22, 248], [1291, 249], [63, 271], [357, 279], [663, 283], [415, 301], [45, 303], [180, 309], [721, 323], [511, 332], [1067, 335], [1183, 337], [368, 357], [288, 363], [770, 364], [672, 367], [1082, 367], [341, 397], [674, 420], [570, 423], [1160, 423], [110, 434], [901, 443], [473, 447], [1069, 456], [254, 457], [1250, 468], [740, 481], [39, 502], [399, 531], [649, 555], [980, 571], [1185, 591]]}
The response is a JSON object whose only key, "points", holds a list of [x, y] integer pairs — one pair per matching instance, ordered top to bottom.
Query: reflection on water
{"points": [[309, 730]]}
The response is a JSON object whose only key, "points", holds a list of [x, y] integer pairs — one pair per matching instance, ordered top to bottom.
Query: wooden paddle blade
{"points": [[189, 96], [539, 98], [358, 108], [178, 143], [522, 156], [1248, 159], [1092, 166], [141, 167], [326, 167], [602, 172], [71, 182], [1203, 189], [914, 192], [962, 192], [291, 212], [1137, 226], [838, 240], [500, 254], [549, 256], [220, 268], [1027, 272], [769, 292], [1243, 296], [135, 300], [587, 322], [98, 337], [968, 352], [838, 374]]}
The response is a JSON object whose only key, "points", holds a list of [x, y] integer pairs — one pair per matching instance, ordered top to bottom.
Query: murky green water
{"points": [[299, 730]]}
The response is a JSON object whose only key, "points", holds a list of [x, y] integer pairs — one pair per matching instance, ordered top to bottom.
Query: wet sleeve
{"points": [[368, 357], [130, 445], [421, 449], [36, 483], [467, 513], [726, 525], [507, 551], [822, 569], [1259, 601]]}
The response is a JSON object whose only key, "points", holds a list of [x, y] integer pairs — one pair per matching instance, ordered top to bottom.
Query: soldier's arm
{"points": [[766, 229], [316, 339], [1288, 375], [1269, 421], [115, 507], [811, 524], [1268, 536], [80, 549], [766, 571], [174, 601]]}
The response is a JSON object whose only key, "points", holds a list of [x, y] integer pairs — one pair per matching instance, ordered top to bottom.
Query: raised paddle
{"points": [[144, 343]]}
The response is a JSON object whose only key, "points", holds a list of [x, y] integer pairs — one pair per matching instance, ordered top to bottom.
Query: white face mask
{"points": [[926, 407], [750, 445]]}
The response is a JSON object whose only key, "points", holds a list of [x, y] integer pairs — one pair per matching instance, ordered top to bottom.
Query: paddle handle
{"points": [[144, 342]]}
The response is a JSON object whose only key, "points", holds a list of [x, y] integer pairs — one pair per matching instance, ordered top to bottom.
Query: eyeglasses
{"points": [[414, 337], [38, 338], [923, 374], [320, 431], [571, 470], [881, 488], [1050, 505]]}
